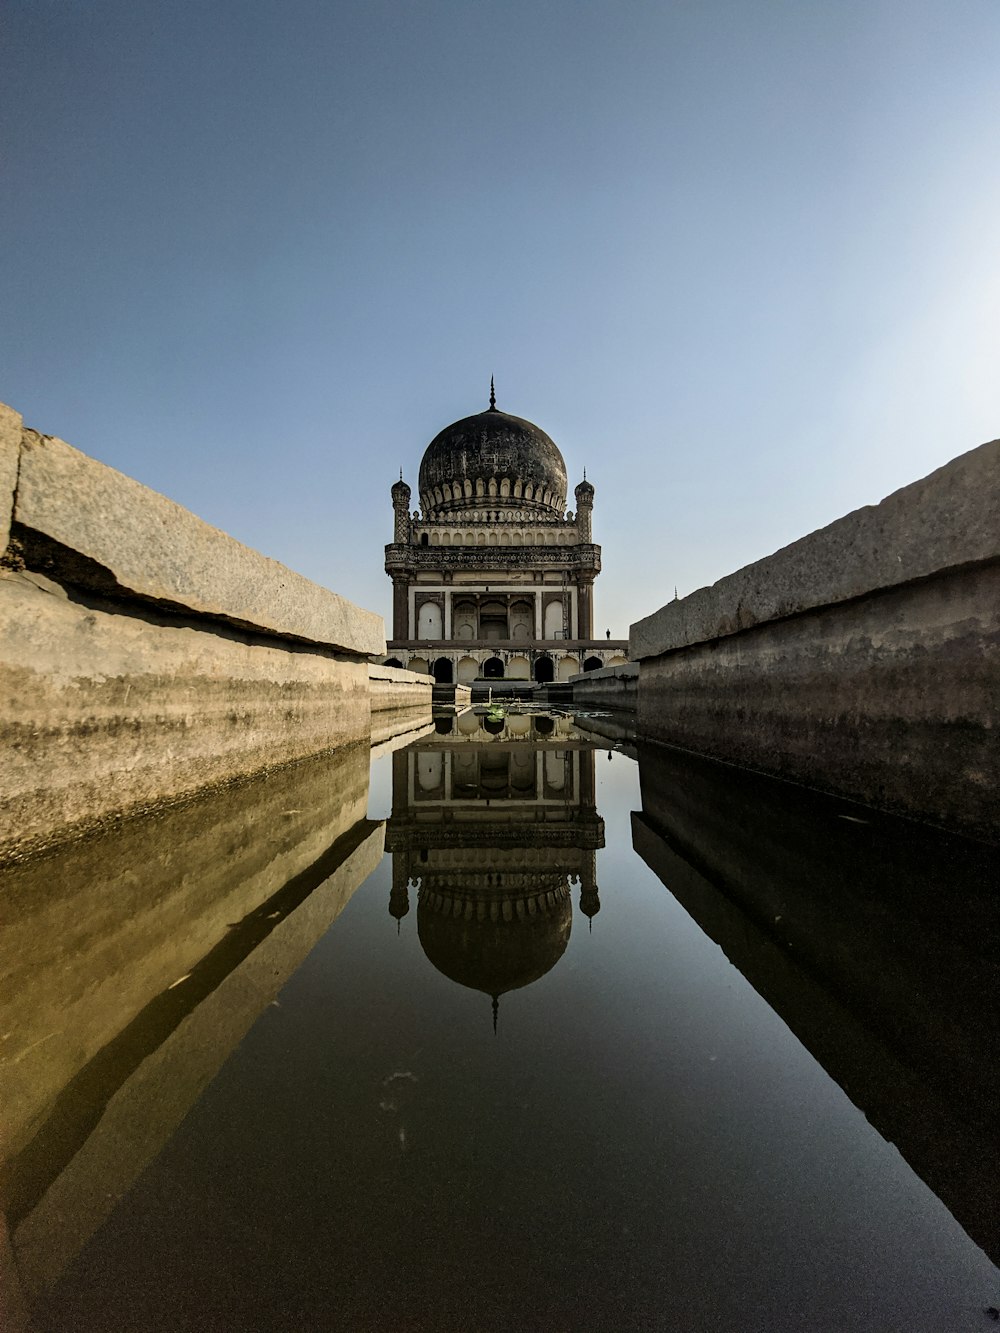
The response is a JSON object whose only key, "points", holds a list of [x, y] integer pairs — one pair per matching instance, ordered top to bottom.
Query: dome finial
{"points": [[493, 396], [496, 1012]]}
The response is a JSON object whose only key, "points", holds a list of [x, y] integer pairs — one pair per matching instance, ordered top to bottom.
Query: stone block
{"points": [[10, 449], [946, 521], [89, 525], [394, 688], [106, 713]]}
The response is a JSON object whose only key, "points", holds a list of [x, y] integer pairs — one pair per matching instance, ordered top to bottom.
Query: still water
{"points": [[517, 1028]]}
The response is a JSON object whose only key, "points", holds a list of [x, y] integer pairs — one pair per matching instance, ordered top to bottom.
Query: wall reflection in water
{"points": [[493, 824], [875, 939], [134, 963]]}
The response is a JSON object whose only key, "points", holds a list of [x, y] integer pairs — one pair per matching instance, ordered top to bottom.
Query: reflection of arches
{"points": [[553, 620], [429, 621], [392, 661], [420, 664], [592, 664], [568, 666], [493, 668], [518, 668], [468, 669], [544, 669], [444, 671], [467, 724], [519, 724], [443, 725], [494, 726], [544, 726], [555, 770]]}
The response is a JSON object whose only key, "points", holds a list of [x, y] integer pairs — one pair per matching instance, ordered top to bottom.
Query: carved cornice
{"points": [[400, 558]]}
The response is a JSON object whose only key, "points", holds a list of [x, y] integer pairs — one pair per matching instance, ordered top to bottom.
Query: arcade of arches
{"points": [[493, 577]]}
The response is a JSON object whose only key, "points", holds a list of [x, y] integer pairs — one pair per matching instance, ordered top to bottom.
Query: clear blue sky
{"points": [[741, 259]]}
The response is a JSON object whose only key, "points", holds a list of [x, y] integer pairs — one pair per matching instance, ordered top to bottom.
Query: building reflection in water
{"points": [[493, 824]]}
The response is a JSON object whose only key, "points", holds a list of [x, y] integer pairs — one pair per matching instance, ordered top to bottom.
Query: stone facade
{"points": [[492, 577]]}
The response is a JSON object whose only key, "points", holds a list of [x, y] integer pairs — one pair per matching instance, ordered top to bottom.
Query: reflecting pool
{"points": [[510, 1025]]}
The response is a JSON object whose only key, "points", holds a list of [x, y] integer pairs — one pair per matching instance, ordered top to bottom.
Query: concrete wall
{"points": [[145, 654], [863, 659], [610, 687], [394, 688]]}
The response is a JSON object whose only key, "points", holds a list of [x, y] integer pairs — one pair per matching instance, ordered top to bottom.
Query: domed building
{"points": [[493, 577]]}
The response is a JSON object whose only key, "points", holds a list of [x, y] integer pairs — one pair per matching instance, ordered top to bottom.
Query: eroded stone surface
{"points": [[10, 446], [947, 520], [157, 550], [890, 699], [105, 712]]}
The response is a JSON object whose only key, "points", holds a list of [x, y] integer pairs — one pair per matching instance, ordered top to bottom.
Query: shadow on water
{"points": [[874, 938]]}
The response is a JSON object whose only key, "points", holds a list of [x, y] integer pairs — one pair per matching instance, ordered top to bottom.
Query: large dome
{"points": [[489, 457], [494, 944]]}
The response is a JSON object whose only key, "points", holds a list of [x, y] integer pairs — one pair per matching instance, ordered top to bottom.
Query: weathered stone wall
{"points": [[145, 654], [863, 659], [609, 687], [395, 688]]}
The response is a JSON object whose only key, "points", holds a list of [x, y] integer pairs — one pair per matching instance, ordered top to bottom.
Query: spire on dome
{"points": [[493, 396]]}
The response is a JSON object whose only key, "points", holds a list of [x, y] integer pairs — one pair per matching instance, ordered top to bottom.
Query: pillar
{"points": [[400, 607], [585, 608]]}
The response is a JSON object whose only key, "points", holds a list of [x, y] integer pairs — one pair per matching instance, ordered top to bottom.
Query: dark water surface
{"points": [[708, 1053]]}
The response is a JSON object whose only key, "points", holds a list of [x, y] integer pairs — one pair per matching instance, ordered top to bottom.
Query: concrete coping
{"points": [[945, 521], [87, 525], [623, 671], [399, 675]]}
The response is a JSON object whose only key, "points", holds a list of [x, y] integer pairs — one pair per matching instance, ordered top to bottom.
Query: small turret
{"points": [[584, 505], [401, 507]]}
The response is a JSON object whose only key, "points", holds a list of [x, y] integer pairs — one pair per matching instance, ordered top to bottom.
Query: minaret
{"points": [[584, 505], [401, 507], [401, 537], [585, 586], [590, 903]]}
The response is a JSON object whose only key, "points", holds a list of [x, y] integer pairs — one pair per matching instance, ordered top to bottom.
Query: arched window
{"points": [[592, 664], [493, 669], [544, 669], [444, 672]]}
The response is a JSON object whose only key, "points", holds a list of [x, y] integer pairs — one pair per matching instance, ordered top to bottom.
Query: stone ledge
{"points": [[947, 520], [118, 537]]}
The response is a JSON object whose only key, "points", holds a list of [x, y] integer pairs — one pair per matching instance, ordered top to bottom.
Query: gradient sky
{"points": [[739, 258]]}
